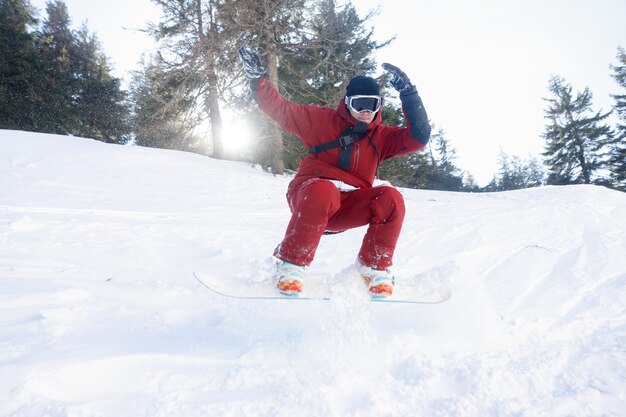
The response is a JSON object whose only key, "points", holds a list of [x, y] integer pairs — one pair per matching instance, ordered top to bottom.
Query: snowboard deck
{"points": [[214, 285]]}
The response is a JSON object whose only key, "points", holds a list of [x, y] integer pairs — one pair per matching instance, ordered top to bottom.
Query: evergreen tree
{"points": [[270, 26], [56, 45], [335, 47], [311, 50], [196, 56], [199, 69], [55, 80], [19, 94], [82, 97], [101, 106], [160, 119], [575, 136], [618, 147], [515, 173], [534, 174], [446, 175], [505, 178], [470, 184], [492, 186]]}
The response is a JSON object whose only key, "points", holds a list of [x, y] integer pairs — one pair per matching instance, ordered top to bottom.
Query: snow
{"points": [[100, 314]]}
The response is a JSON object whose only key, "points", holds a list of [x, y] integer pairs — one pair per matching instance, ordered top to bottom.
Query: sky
{"points": [[481, 67]]}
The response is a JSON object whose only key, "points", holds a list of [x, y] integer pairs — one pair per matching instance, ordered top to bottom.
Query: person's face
{"points": [[363, 107], [364, 116]]}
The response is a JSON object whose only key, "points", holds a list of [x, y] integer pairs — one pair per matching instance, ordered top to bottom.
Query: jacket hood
{"points": [[342, 110]]}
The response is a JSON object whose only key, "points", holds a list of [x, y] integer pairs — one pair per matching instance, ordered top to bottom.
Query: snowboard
{"points": [[265, 292]]}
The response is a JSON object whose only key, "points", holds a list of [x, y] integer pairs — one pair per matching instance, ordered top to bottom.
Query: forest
{"points": [[55, 79]]}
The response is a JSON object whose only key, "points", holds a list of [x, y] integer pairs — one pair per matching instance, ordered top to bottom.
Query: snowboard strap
{"points": [[346, 142]]}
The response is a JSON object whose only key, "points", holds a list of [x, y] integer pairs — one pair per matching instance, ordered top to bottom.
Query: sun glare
{"points": [[236, 137]]}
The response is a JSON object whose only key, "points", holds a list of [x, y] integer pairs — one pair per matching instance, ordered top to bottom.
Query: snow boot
{"points": [[289, 278], [379, 282]]}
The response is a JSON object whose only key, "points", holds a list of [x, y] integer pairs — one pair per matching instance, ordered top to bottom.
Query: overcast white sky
{"points": [[481, 66]]}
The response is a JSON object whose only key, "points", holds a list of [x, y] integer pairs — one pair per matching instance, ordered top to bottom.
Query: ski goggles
{"points": [[361, 104]]}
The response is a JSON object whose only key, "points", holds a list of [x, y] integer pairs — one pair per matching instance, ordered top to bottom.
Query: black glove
{"points": [[251, 63], [399, 80], [416, 117]]}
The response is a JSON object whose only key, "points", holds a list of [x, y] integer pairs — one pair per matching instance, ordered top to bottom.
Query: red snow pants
{"points": [[317, 206]]}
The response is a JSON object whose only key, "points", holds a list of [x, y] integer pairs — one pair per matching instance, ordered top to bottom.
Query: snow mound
{"points": [[100, 314]]}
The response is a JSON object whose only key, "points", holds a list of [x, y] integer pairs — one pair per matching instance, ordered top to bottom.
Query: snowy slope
{"points": [[101, 316]]}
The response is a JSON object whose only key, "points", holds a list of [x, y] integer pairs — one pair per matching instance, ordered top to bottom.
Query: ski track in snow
{"points": [[100, 314]]}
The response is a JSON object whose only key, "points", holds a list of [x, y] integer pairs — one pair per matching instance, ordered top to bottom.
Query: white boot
{"points": [[289, 278], [379, 282]]}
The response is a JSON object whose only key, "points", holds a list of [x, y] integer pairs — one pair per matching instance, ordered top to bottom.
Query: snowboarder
{"points": [[333, 189]]}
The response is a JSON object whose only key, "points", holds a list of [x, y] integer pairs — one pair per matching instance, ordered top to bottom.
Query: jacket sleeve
{"points": [[415, 115], [292, 117], [400, 141]]}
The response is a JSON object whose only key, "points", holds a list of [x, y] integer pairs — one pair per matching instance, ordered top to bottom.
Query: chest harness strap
{"points": [[346, 142]]}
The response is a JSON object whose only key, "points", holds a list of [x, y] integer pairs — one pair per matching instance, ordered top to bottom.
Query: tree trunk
{"points": [[271, 58], [211, 99], [215, 117], [276, 137]]}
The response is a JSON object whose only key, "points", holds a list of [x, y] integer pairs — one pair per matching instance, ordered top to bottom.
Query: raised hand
{"points": [[251, 63], [399, 80]]}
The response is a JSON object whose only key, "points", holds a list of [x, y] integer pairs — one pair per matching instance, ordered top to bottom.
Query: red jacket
{"points": [[316, 125]]}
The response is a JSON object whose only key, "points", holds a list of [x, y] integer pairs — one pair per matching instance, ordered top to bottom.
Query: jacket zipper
{"points": [[356, 157]]}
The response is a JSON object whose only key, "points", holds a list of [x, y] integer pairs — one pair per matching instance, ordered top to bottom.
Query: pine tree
{"points": [[271, 26], [56, 45], [335, 47], [311, 50], [198, 53], [55, 80], [19, 92], [82, 98], [100, 104], [160, 119], [575, 136], [618, 147], [514, 173], [534, 174], [446, 175], [505, 178], [469, 183]]}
